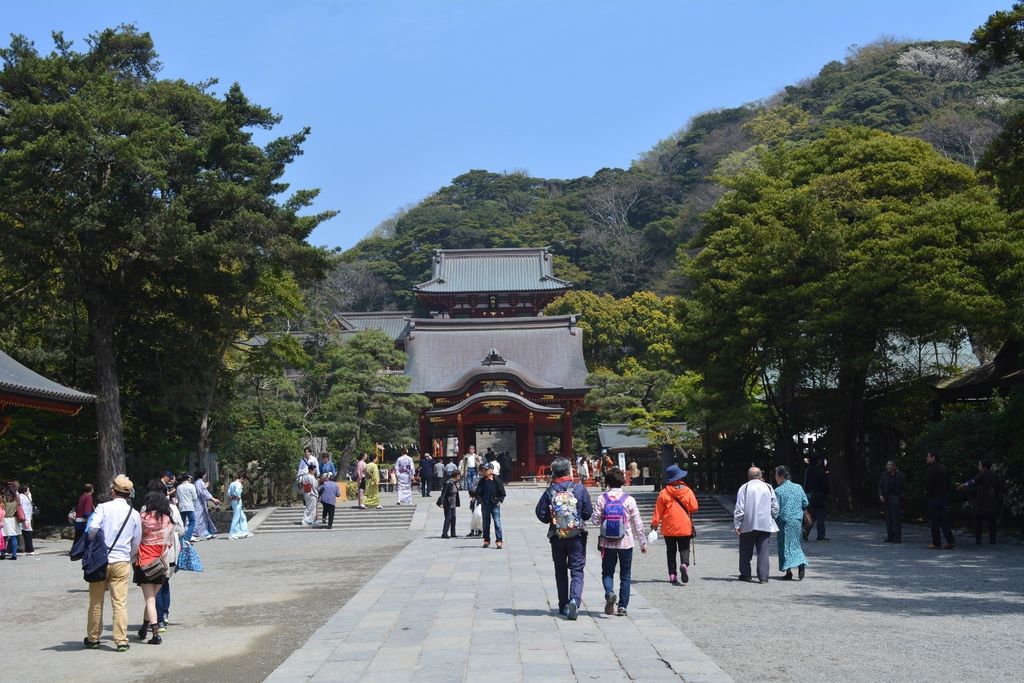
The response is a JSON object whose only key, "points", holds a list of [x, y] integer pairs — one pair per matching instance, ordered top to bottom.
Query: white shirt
{"points": [[470, 459], [304, 467], [497, 467], [187, 496], [756, 507], [109, 516]]}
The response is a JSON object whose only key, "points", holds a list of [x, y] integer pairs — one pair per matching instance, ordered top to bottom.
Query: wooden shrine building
{"points": [[494, 369], [23, 388]]}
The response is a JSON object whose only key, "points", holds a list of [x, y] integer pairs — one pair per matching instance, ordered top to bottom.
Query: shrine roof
{"points": [[492, 270], [391, 323], [546, 350], [18, 382], [497, 396], [621, 436]]}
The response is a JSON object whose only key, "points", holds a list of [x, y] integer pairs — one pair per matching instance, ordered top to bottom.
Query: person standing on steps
{"points": [[372, 477], [361, 481], [308, 484], [937, 487], [329, 493], [890, 493], [489, 494], [564, 507], [756, 508], [673, 512], [618, 517], [790, 518]]}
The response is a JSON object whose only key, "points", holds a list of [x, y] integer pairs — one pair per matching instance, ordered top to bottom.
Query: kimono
{"points": [[405, 470], [372, 485], [792, 503], [239, 524], [204, 525]]}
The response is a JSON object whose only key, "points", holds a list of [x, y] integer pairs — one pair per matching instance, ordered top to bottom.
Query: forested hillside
{"points": [[618, 231]]}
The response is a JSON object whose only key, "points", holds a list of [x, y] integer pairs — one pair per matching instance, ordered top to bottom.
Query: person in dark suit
{"points": [[505, 462], [426, 474], [817, 487], [986, 487], [937, 488], [890, 493]]}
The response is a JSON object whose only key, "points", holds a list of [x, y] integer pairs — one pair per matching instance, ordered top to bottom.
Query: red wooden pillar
{"points": [[567, 435], [462, 436], [426, 446], [531, 456]]}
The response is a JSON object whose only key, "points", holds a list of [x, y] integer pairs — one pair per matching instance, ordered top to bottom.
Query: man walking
{"points": [[470, 462], [426, 472], [438, 474], [937, 486], [817, 487], [986, 487], [329, 493], [890, 493], [489, 494], [188, 498], [565, 507], [754, 522], [122, 533]]}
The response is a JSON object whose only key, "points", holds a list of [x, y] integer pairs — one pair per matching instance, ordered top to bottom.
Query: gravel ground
{"points": [[257, 601], [867, 611]]}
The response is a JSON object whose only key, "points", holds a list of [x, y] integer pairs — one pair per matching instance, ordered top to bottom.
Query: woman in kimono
{"points": [[405, 470], [372, 479], [792, 503], [239, 524], [204, 525]]}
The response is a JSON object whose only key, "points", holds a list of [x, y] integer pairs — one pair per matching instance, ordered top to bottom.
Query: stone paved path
{"points": [[449, 610]]}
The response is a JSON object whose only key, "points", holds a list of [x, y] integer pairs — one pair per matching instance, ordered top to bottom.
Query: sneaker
{"points": [[211, 537], [498, 545], [684, 574], [673, 579], [609, 603], [573, 610], [564, 611], [622, 612], [162, 627], [143, 630], [155, 640], [90, 644], [123, 647]]}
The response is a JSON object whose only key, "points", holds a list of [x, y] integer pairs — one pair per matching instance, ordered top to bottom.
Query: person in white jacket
{"points": [[754, 521]]}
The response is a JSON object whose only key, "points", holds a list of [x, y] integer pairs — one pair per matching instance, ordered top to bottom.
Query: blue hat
{"points": [[674, 473]]}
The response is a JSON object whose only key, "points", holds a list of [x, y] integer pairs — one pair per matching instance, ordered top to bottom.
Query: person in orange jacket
{"points": [[673, 511]]}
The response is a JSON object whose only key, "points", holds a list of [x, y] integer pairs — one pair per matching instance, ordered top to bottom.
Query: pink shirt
{"points": [[360, 470], [634, 525]]}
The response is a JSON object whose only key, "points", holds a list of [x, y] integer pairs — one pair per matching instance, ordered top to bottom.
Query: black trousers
{"points": [[425, 486], [328, 514], [938, 515], [893, 519], [981, 519], [449, 522], [748, 543], [674, 544], [29, 548]]}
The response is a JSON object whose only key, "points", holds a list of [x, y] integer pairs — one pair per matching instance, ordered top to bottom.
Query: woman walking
{"points": [[404, 470], [372, 480], [449, 500], [25, 501], [792, 503], [83, 508], [673, 511], [618, 517], [12, 519], [239, 524], [204, 525], [157, 537]]}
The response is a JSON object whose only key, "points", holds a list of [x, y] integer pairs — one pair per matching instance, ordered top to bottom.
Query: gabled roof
{"points": [[492, 270], [392, 323], [444, 352], [1002, 372], [22, 387], [497, 396], [618, 436]]}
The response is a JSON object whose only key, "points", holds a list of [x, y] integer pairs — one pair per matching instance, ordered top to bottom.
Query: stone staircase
{"points": [[709, 510], [347, 517]]}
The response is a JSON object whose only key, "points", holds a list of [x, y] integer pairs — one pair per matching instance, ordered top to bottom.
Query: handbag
{"points": [[19, 513], [72, 515], [807, 519], [188, 559], [155, 569]]}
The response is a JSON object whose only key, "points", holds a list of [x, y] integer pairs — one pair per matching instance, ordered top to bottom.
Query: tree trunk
{"points": [[109, 423], [844, 435]]}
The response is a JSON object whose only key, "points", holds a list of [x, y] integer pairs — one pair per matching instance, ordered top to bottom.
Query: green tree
{"points": [[140, 192], [817, 258]]}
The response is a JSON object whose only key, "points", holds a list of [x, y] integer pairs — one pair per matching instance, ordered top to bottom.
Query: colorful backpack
{"points": [[565, 514], [613, 518]]}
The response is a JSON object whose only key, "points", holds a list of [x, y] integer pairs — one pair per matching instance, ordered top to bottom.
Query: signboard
{"points": [[622, 461]]}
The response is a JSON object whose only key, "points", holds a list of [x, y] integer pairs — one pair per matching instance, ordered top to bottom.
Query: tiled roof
{"points": [[492, 270], [392, 323], [441, 351], [18, 381], [496, 396], [618, 436]]}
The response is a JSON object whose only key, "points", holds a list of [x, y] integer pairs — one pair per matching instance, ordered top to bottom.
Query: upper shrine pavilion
{"points": [[497, 372]]}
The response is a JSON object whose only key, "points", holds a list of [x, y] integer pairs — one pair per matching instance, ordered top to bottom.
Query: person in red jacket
{"points": [[672, 512]]}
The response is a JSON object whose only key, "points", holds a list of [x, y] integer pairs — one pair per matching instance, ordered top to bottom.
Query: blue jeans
{"points": [[470, 477], [490, 512], [189, 518], [12, 546], [624, 556], [570, 557], [163, 601]]}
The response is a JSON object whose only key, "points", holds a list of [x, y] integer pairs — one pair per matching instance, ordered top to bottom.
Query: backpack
{"points": [[565, 514], [613, 518]]}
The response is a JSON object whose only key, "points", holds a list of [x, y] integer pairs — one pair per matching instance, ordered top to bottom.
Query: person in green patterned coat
{"points": [[792, 503]]}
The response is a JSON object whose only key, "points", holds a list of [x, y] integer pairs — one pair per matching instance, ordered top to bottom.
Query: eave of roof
{"points": [[20, 386], [496, 396]]}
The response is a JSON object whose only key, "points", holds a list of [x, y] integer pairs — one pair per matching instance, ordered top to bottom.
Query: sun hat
{"points": [[674, 473], [122, 484]]}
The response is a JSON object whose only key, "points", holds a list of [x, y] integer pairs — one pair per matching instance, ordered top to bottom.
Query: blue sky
{"points": [[403, 96]]}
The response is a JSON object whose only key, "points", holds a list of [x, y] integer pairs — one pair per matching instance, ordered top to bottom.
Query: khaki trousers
{"points": [[118, 576]]}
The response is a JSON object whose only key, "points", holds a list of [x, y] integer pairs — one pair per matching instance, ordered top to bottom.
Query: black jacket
{"points": [[937, 483], [891, 485], [987, 488], [489, 491], [450, 495]]}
